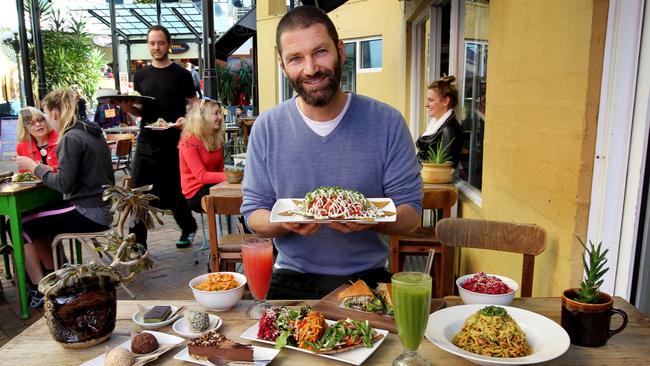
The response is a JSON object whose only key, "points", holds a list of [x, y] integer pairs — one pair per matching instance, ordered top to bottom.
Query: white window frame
{"points": [[357, 49]]}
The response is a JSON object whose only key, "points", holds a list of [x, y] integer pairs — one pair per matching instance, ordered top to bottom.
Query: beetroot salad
{"points": [[484, 284]]}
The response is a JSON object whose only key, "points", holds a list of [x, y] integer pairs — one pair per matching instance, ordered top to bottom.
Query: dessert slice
{"points": [[157, 314], [213, 344]]}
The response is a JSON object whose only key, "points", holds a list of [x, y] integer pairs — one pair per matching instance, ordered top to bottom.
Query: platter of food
{"points": [[160, 125], [26, 178], [334, 204], [358, 301], [154, 317], [195, 323], [306, 330], [514, 336], [155, 343], [213, 345]]}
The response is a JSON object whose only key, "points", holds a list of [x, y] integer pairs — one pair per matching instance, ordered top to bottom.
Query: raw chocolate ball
{"points": [[144, 343]]}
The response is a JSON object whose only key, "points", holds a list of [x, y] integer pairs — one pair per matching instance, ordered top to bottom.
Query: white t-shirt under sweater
{"points": [[325, 127]]}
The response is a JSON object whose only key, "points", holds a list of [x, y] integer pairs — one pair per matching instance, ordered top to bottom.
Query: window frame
{"points": [[357, 48]]}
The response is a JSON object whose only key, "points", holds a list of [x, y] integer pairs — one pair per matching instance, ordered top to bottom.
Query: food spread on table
{"points": [[24, 177], [337, 203], [218, 282], [484, 284], [360, 297], [307, 329], [492, 332], [213, 344]]}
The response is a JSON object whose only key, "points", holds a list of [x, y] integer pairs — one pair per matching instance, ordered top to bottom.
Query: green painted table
{"points": [[14, 200]]}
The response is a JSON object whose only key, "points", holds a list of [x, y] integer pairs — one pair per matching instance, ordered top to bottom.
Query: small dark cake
{"points": [[144, 343], [213, 344]]}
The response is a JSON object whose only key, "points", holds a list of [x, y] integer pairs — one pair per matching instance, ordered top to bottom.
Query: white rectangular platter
{"points": [[284, 205], [355, 356]]}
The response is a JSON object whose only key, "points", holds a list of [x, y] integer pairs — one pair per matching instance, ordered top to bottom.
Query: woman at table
{"points": [[442, 98], [36, 137], [200, 152], [84, 167]]}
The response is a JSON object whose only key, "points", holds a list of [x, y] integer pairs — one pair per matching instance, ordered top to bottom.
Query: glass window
{"points": [[370, 54], [349, 69], [473, 90]]}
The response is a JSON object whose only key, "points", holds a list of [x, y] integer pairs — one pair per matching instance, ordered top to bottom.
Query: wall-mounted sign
{"points": [[179, 48]]}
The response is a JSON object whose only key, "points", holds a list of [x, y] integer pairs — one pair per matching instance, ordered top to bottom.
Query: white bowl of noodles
{"points": [[546, 339]]}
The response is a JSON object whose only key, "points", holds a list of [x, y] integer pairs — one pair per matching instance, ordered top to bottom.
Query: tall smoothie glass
{"points": [[257, 255], [411, 301]]}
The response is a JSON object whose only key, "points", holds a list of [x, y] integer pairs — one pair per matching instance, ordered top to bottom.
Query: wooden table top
{"points": [[8, 189], [35, 345]]}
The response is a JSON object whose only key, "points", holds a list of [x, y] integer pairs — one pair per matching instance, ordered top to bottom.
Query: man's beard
{"points": [[161, 57], [320, 97]]}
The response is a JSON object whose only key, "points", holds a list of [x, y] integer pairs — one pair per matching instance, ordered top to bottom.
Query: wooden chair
{"points": [[123, 151], [424, 238], [527, 239], [225, 250]]}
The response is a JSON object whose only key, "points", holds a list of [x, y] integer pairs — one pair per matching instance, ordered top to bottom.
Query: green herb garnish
{"points": [[493, 311]]}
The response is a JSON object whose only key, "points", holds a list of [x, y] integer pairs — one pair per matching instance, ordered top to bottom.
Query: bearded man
{"points": [[326, 137], [156, 159]]}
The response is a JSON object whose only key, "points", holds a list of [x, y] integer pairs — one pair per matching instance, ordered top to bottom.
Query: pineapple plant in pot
{"points": [[437, 168], [80, 299], [587, 311]]}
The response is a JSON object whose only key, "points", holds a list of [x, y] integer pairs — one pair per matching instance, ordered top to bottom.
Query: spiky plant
{"points": [[439, 154], [127, 257], [595, 269]]}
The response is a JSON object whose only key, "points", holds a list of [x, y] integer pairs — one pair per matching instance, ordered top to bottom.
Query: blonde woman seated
{"points": [[37, 139], [200, 151]]}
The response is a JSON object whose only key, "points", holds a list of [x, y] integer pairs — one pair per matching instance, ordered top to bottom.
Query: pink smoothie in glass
{"points": [[258, 266]]}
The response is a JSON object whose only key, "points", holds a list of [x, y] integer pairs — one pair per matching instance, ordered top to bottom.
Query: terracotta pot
{"points": [[437, 173], [234, 176], [83, 316], [588, 325]]}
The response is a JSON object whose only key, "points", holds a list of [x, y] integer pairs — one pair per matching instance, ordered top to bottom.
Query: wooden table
{"points": [[14, 200], [35, 345]]}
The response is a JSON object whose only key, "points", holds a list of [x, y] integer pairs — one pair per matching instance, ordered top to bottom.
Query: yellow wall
{"points": [[378, 18], [543, 85]]}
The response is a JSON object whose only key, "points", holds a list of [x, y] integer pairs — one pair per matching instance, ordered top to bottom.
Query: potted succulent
{"points": [[437, 168], [235, 173], [80, 299], [587, 311]]}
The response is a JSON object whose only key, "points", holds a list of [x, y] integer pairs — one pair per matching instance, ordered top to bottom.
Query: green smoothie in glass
{"points": [[412, 301]]}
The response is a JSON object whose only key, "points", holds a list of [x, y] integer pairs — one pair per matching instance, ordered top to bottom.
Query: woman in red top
{"points": [[36, 138], [200, 151]]}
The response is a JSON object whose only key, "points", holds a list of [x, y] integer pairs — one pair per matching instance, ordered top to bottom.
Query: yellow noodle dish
{"points": [[492, 332]]}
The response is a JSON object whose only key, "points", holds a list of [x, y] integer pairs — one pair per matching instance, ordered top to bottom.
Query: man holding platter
{"points": [[326, 137]]}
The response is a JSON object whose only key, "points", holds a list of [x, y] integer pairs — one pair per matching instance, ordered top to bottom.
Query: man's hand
{"points": [[25, 163], [349, 227], [301, 229]]}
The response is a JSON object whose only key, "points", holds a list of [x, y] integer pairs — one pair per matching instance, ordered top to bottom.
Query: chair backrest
{"points": [[123, 147], [440, 199], [221, 205], [527, 239]]}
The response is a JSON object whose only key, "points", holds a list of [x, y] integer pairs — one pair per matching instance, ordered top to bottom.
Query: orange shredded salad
{"points": [[218, 282], [310, 329]]}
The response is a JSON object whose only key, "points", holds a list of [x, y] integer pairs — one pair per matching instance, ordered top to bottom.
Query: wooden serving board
{"points": [[331, 309]]}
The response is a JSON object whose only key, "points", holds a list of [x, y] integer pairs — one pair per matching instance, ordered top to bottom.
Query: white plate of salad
{"points": [[337, 333]]}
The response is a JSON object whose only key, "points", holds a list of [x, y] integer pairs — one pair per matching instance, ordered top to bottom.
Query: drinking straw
{"points": [[241, 232], [427, 268]]}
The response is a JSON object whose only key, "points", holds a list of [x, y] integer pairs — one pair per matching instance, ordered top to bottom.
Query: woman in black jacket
{"points": [[442, 98]]}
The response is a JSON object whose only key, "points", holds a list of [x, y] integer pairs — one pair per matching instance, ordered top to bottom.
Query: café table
{"points": [[14, 200], [35, 345]]}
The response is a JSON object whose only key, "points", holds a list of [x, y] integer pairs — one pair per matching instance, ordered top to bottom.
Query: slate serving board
{"points": [[331, 309]]}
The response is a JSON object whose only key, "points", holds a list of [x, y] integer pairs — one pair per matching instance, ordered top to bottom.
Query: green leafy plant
{"points": [[245, 81], [226, 82], [439, 154], [593, 261]]}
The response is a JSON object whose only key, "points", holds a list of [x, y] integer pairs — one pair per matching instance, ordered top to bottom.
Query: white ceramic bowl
{"points": [[470, 297], [218, 300], [138, 318]]}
